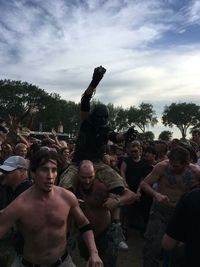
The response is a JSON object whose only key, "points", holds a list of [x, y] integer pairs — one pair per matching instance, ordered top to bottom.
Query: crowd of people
{"points": [[56, 195]]}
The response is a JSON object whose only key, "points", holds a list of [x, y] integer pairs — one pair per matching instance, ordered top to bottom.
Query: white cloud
{"points": [[194, 12], [56, 45]]}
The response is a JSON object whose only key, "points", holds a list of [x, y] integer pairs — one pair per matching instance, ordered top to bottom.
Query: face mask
{"points": [[99, 116]]}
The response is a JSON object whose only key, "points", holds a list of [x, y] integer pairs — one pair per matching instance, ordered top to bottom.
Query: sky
{"points": [[150, 48]]}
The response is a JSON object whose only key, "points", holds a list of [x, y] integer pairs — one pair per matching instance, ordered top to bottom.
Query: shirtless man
{"points": [[173, 178], [97, 205], [41, 215]]}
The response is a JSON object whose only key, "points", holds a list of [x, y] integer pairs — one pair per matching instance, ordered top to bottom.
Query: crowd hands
{"points": [[118, 182]]}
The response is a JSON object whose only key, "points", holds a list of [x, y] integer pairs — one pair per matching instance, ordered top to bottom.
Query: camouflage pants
{"points": [[105, 173], [158, 220]]}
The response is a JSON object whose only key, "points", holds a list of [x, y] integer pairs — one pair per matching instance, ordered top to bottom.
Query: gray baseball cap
{"points": [[13, 163]]}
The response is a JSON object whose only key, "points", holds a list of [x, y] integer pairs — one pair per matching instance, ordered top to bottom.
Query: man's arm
{"points": [[89, 92], [128, 136], [22, 139], [123, 170], [153, 177], [115, 201], [8, 217], [86, 232], [168, 243]]}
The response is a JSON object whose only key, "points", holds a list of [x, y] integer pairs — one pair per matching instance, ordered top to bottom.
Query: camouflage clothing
{"points": [[104, 173], [158, 220]]}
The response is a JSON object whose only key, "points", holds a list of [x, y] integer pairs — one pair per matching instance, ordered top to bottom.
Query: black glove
{"points": [[97, 76], [130, 135]]}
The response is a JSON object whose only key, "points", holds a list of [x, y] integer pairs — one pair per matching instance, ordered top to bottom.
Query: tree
{"points": [[17, 96], [182, 115], [142, 117], [117, 118], [147, 136], [165, 136]]}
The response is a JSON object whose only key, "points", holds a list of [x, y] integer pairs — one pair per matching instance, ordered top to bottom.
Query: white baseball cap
{"points": [[13, 163]]}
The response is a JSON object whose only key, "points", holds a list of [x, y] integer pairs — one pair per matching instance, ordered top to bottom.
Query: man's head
{"points": [[99, 116], [2, 122], [196, 136], [161, 147], [7, 148], [21, 150], [135, 150], [64, 152], [150, 155], [179, 158], [43, 167], [15, 170], [86, 174]]}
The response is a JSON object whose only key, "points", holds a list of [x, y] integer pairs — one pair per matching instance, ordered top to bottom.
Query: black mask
{"points": [[99, 116]]}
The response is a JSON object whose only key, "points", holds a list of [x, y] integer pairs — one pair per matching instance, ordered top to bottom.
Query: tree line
{"points": [[16, 97]]}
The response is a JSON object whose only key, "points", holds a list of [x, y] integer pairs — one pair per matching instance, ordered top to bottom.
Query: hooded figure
{"points": [[99, 116]]}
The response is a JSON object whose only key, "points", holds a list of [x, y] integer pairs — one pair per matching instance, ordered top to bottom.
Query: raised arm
{"points": [[89, 92], [128, 136], [123, 170]]}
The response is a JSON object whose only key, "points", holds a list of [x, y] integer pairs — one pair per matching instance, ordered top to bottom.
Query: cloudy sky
{"points": [[150, 48]]}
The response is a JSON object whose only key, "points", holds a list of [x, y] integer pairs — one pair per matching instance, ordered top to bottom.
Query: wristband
{"points": [[85, 228]]}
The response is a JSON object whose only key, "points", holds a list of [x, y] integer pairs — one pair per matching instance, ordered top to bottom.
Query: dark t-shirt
{"points": [[90, 142], [135, 170], [20, 189], [5, 193], [185, 226], [19, 241]]}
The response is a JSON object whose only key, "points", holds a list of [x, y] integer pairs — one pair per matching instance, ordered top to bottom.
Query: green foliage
{"points": [[17, 96], [182, 115], [142, 117], [117, 118], [147, 136], [165, 136]]}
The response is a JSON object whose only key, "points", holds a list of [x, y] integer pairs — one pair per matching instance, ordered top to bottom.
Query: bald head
{"points": [[86, 165], [86, 173]]}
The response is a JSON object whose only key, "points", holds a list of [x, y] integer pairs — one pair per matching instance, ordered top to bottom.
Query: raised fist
{"points": [[97, 76]]}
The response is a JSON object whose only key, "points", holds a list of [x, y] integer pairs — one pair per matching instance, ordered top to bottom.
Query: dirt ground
{"points": [[133, 257]]}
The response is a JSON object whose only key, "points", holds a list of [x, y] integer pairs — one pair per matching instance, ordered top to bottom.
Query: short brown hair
{"points": [[179, 154], [41, 157]]}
